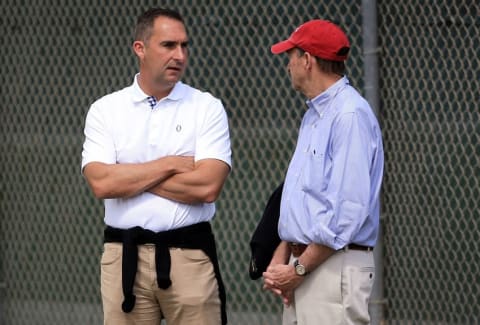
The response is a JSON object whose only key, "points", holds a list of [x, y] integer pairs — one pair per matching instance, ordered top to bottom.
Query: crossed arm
{"points": [[177, 178], [202, 184]]}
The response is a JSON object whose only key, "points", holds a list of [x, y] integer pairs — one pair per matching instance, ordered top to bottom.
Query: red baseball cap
{"points": [[320, 38]]}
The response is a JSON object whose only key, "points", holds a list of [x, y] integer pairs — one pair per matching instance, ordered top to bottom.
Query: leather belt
{"points": [[358, 247], [297, 249]]}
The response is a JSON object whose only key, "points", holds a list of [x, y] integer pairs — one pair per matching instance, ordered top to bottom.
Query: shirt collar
{"points": [[138, 95], [318, 103]]}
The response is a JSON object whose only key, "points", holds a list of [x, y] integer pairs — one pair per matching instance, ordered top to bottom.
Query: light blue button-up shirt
{"points": [[332, 188]]}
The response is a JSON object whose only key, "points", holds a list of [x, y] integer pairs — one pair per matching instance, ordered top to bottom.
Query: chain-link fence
{"points": [[59, 56], [431, 109]]}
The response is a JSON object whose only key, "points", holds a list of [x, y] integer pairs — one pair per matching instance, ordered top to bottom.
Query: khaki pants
{"points": [[336, 293], [191, 299]]}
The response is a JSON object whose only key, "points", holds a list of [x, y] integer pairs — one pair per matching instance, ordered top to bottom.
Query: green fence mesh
{"points": [[59, 56], [431, 109]]}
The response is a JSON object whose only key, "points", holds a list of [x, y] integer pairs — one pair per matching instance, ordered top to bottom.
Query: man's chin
{"points": [[174, 78], [171, 80]]}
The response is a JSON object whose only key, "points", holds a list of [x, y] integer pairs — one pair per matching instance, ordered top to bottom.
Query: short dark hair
{"points": [[143, 29], [327, 66]]}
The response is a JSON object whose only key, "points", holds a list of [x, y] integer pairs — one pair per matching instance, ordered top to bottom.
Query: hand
{"points": [[282, 280], [288, 298]]}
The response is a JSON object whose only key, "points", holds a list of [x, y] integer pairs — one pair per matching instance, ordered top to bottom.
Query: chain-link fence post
{"points": [[370, 51], [2, 293]]}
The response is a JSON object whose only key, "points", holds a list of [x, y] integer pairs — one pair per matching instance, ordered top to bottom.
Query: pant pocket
{"points": [[357, 285]]}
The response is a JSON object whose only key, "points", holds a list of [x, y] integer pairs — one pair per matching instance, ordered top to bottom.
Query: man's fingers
{"points": [[276, 291]]}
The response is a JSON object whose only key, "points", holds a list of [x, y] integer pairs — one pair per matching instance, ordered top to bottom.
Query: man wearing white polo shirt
{"points": [[158, 153]]}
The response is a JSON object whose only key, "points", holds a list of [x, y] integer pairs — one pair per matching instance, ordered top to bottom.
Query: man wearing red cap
{"points": [[329, 214]]}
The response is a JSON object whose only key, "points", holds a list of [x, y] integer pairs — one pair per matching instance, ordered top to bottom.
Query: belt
{"points": [[358, 247], [297, 249]]}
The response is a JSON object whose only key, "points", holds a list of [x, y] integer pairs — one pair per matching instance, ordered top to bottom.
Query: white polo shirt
{"points": [[121, 127]]}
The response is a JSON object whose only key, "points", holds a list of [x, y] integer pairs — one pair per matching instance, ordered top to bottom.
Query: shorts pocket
{"points": [[112, 252], [195, 255]]}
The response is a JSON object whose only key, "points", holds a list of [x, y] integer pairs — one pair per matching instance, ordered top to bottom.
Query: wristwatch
{"points": [[299, 268]]}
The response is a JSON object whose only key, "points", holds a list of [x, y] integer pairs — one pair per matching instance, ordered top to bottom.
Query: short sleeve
{"points": [[213, 139], [98, 145]]}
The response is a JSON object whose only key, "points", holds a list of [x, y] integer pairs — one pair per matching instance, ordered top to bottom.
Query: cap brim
{"points": [[281, 47]]}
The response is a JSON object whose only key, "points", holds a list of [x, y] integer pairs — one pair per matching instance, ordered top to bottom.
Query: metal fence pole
{"points": [[370, 51], [2, 293]]}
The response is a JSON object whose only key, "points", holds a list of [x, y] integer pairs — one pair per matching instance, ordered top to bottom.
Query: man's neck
{"points": [[319, 84], [153, 89]]}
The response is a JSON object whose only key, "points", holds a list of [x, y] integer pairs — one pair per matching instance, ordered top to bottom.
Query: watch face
{"points": [[299, 269]]}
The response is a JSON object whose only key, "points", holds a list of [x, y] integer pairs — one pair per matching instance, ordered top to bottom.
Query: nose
{"points": [[180, 53]]}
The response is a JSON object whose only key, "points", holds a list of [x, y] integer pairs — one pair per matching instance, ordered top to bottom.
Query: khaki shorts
{"points": [[191, 299]]}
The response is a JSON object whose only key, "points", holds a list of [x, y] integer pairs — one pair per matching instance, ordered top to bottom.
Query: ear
{"points": [[139, 49], [309, 60]]}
